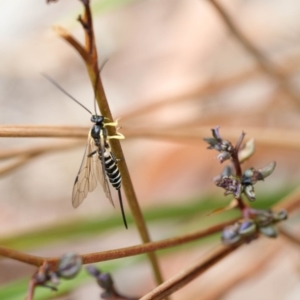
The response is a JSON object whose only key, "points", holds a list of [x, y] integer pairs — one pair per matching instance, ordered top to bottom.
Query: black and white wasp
{"points": [[99, 163]]}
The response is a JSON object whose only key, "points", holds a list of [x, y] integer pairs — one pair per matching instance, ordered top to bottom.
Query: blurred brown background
{"points": [[181, 56]]}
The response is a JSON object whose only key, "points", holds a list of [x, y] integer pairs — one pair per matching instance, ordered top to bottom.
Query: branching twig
{"points": [[91, 60], [290, 203], [123, 252], [23, 257], [190, 273], [219, 288]]}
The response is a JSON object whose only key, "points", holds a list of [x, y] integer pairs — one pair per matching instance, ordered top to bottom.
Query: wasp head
{"points": [[97, 119]]}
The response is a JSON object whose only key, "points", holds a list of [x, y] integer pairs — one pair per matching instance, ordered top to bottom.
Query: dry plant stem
{"points": [[72, 41], [91, 61], [264, 63], [43, 131], [272, 137], [281, 138], [21, 151], [26, 154], [16, 164], [238, 170], [290, 203], [290, 236], [154, 246], [127, 251], [22, 257], [190, 273], [224, 285], [31, 289]]}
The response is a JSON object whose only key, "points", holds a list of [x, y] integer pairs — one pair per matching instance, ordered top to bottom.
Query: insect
{"points": [[98, 164]]}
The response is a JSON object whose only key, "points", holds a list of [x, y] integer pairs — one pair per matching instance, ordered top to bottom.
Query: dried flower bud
{"points": [[216, 134], [217, 143], [247, 151], [223, 156], [267, 170], [227, 171], [251, 176], [231, 185], [249, 192], [280, 215], [263, 218], [247, 227], [269, 231], [230, 234], [69, 265], [93, 270], [41, 277], [54, 278], [105, 281]]}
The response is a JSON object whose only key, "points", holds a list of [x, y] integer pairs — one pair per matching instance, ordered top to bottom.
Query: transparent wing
{"points": [[102, 178], [86, 179]]}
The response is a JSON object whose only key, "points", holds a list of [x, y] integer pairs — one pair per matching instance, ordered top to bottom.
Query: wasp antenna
{"points": [[96, 81], [65, 92], [122, 208]]}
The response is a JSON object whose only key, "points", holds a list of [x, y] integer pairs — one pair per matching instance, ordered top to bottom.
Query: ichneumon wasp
{"points": [[98, 164]]}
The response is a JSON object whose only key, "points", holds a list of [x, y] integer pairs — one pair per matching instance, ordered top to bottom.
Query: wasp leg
{"points": [[115, 123], [118, 136], [92, 153]]}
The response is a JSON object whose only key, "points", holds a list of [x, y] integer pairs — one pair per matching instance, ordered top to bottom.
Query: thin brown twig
{"points": [[72, 41], [91, 61], [266, 65], [43, 131], [282, 138], [21, 151], [26, 154], [16, 164], [291, 202], [289, 235], [154, 246], [127, 251], [22, 257], [190, 273], [225, 284]]}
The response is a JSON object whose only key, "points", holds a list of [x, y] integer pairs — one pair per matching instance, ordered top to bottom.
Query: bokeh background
{"points": [[173, 66]]}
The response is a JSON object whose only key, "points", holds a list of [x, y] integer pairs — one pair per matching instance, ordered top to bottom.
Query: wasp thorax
{"points": [[97, 119]]}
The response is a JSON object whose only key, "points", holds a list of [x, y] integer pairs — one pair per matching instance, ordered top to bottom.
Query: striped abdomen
{"points": [[111, 169]]}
